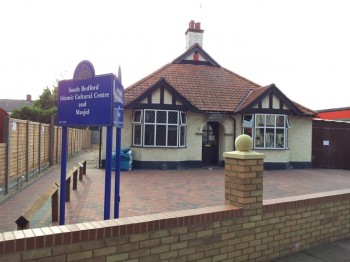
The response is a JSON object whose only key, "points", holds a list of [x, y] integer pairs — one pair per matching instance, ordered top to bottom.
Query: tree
{"points": [[47, 99]]}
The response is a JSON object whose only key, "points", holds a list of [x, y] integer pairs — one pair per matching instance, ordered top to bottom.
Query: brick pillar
{"points": [[244, 176]]}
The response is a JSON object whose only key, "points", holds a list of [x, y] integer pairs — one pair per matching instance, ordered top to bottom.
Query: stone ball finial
{"points": [[244, 143]]}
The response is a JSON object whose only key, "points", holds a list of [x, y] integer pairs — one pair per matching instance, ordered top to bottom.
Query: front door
{"points": [[210, 144]]}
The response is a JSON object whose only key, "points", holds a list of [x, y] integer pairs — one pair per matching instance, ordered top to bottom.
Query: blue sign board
{"points": [[90, 100], [86, 102], [118, 104]]}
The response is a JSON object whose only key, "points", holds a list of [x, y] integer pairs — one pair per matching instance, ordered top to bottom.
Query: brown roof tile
{"points": [[207, 88], [256, 93], [251, 96], [305, 110]]}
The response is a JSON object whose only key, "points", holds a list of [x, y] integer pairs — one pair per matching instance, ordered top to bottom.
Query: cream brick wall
{"points": [[127, 129], [300, 141], [193, 150], [276, 156]]}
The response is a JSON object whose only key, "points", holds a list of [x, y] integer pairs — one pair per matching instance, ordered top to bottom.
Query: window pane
{"points": [[137, 116], [149, 116], [161, 116], [172, 117], [183, 118], [260, 120], [270, 120], [248, 121], [280, 121], [270, 131], [137, 135], [149, 135], [161, 135], [172, 135], [182, 135], [259, 137], [270, 138], [279, 138]]}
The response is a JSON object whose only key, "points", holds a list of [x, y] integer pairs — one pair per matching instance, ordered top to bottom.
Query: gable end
{"points": [[196, 56], [161, 96], [272, 101]]}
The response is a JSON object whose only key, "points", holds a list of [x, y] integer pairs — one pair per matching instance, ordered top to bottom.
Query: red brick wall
{"points": [[255, 231], [217, 233]]}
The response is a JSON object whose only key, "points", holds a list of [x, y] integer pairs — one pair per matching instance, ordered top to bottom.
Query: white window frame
{"points": [[137, 123], [181, 123], [254, 128]]}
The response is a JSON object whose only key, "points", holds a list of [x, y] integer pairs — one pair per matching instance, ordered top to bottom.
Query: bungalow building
{"points": [[190, 111]]}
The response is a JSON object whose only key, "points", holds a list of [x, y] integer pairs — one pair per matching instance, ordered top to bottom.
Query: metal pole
{"points": [[57, 144], [100, 148], [108, 173], [117, 174], [63, 175]]}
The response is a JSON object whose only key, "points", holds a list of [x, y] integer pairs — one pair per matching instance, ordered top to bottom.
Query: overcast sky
{"points": [[303, 46]]}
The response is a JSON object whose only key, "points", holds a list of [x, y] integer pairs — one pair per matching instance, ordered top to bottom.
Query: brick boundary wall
{"points": [[251, 230]]}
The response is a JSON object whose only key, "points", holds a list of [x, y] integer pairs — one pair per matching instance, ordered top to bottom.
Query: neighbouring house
{"points": [[9, 105], [190, 111], [342, 114], [3, 115], [331, 138], [330, 144]]}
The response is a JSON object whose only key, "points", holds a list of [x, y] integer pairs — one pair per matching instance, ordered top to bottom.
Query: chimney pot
{"points": [[191, 25], [198, 26]]}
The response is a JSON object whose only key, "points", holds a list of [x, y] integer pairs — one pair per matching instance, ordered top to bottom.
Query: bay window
{"points": [[159, 128], [268, 131]]}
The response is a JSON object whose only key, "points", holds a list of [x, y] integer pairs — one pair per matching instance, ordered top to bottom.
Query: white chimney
{"points": [[194, 34]]}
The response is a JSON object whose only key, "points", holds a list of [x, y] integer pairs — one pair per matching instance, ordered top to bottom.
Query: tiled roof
{"points": [[207, 88], [257, 93], [251, 97], [9, 105], [305, 110]]}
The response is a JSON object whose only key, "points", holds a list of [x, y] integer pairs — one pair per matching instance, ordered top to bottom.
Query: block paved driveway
{"points": [[152, 191]]}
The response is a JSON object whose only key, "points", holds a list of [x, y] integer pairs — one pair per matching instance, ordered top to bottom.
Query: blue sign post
{"points": [[89, 100], [118, 122], [63, 175]]}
